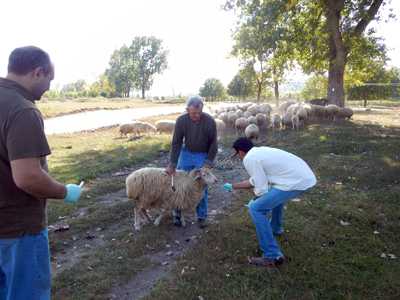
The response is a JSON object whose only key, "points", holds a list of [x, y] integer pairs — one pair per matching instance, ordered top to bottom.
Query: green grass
{"points": [[357, 166], [358, 182]]}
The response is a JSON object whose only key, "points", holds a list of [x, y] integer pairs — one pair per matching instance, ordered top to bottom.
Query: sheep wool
{"points": [[151, 188]]}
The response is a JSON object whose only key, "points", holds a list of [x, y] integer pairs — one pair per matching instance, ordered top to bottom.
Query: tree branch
{"points": [[373, 9]]}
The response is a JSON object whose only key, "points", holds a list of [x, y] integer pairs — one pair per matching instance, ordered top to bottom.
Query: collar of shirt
{"points": [[4, 82]]}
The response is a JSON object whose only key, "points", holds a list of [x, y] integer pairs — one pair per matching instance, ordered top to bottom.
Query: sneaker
{"points": [[202, 223], [267, 262]]}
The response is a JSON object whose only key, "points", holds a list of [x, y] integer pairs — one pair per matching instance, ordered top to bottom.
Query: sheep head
{"points": [[204, 174]]}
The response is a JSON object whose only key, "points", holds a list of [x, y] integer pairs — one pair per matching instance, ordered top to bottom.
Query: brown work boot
{"points": [[267, 262]]}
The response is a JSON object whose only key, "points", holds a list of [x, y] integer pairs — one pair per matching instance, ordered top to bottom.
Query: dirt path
{"points": [[164, 260]]}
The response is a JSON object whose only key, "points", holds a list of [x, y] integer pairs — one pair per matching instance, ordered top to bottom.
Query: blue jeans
{"points": [[188, 161], [273, 202], [25, 267]]}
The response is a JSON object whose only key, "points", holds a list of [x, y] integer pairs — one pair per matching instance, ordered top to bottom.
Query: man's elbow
{"points": [[25, 182]]}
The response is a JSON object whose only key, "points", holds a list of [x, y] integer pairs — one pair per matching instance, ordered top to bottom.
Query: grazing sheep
{"points": [[284, 106], [265, 108], [253, 109], [331, 111], [318, 112], [345, 113], [247, 114], [232, 116], [224, 117], [252, 120], [262, 120], [276, 121], [287, 121], [241, 124], [165, 126], [220, 126], [136, 128], [252, 132], [152, 188]]}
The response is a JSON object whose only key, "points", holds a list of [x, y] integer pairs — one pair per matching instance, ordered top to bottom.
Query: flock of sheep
{"points": [[250, 118]]}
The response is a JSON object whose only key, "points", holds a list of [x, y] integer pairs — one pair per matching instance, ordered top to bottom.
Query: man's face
{"points": [[41, 81], [194, 113], [241, 154]]}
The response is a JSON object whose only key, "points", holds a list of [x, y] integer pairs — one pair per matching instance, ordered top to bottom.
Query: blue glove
{"points": [[228, 187], [73, 193]]}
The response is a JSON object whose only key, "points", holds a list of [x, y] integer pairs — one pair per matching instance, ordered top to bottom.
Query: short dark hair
{"points": [[26, 59], [195, 101], [243, 144]]}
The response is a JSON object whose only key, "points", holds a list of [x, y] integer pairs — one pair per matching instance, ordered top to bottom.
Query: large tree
{"points": [[327, 35], [260, 40], [150, 58], [134, 67], [121, 72], [240, 86], [212, 89]]}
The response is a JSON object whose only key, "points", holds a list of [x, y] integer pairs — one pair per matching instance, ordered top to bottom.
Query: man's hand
{"points": [[170, 170], [228, 187], [73, 192]]}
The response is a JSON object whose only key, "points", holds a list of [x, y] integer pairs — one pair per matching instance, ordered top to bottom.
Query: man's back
{"points": [[283, 170]]}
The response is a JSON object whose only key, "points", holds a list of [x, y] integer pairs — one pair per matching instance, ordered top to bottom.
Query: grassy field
{"points": [[53, 108], [357, 164], [358, 169]]}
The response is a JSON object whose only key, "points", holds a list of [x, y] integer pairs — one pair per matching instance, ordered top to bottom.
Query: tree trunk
{"points": [[337, 53], [335, 82], [259, 90], [276, 90], [143, 92]]}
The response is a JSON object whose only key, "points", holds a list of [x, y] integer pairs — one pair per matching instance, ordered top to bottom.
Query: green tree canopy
{"points": [[324, 35], [150, 58], [134, 67], [240, 86], [212, 89]]}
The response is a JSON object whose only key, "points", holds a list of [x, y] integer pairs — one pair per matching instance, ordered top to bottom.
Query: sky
{"points": [[80, 37]]}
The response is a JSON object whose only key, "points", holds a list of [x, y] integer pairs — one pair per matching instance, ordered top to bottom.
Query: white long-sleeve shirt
{"points": [[270, 167]]}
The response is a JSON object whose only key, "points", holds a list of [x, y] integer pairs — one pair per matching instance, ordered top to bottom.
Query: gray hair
{"points": [[195, 101]]}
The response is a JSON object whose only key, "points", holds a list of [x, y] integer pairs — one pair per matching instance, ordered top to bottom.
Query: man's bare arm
{"points": [[29, 176]]}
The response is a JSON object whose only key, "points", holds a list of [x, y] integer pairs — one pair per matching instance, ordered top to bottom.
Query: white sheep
{"points": [[331, 111], [345, 113], [262, 120], [276, 121], [241, 124], [165, 126], [220, 126], [136, 128], [252, 132], [152, 188]]}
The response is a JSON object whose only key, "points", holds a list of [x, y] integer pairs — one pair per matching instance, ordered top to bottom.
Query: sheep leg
{"points": [[146, 215], [136, 219], [158, 219], [183, 222]]}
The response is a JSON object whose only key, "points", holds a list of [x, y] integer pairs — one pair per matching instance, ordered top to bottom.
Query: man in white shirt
{"points": [[277, 177]]}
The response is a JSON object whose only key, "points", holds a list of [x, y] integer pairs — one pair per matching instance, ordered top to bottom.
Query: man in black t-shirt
{"points": [[24, 182]]}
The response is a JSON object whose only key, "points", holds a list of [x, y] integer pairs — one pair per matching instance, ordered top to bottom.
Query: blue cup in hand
{"points": [[228, 187], [73, 192]]}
